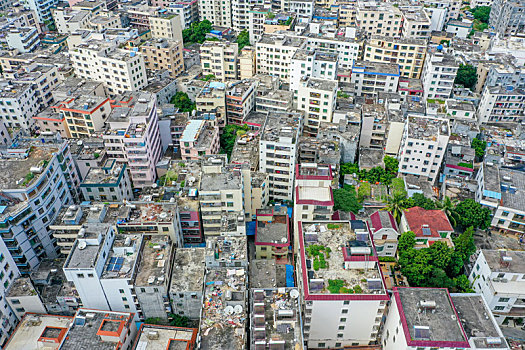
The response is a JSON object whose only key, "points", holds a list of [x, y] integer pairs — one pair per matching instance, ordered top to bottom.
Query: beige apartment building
{"points": [[383, 19], [167, 27], [408, 53], [160, 54], [219, 58], [247, 63]]}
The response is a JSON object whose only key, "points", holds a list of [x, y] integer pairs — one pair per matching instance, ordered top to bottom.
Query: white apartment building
{"points": [[451, 7], [41, 8], [304, 9], [188, 11], [219, 13], [256, 17], [437, 18], [379, 19], [416, 24], [166, 27], [23, 39], [347, 46], [409, 53], [274, 54], [219, 59], [313, 64], [120, 70], [438, 76], [373, 77], [317, 98], [499, 104], [18, 105], [133, 137], [423, 146], [278, 152], [110, 182], [35, 186], [502, 190], [220, 196], [314, 199], [384, 230], [499, 275], [335, 317], [423, 317]]}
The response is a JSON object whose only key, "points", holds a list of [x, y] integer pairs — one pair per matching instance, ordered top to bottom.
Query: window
{"points": [[80, 275], [90, 275], [121, 291], [503, 300], [15, 301], [346, 302], [499, 308], [20, 309], [344, 311], [342, 319], [321, 345]]}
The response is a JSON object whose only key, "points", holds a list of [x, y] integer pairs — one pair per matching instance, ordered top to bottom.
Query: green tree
{"points": [[482, 13], [197, 32], [243, 39], [466, 76], [208, 77], [182, 102], [229, 135], [479, 147], [391, 165], [349, 168], [364, 191], [345, 199], [419, 200], [396, 204], [448, 206], [471, 213], [406, 242], [464, 244], [441, 254], [455, 265], [438, 278], [462, 284], [179, 321]]}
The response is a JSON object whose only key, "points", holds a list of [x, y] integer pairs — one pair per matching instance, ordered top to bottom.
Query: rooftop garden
{"points": [[319, 253], [341, 287]]}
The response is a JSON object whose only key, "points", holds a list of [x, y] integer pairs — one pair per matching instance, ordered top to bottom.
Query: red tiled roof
{"points": [[375, 218], [436, 220]]}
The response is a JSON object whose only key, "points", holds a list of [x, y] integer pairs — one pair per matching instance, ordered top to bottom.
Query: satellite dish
{"points": [[154, 186], [82, 245], [294, 294], [237, 309], [228, 310]]}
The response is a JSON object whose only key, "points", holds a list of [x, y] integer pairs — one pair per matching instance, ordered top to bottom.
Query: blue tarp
{"points": [[250, 228], [195, 245], [289, 276]]}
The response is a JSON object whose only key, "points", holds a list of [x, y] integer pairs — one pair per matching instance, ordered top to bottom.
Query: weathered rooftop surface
{"points": [[281, 125], [427, 128], [16, 164], [109, 174], [222, 181], [512, 188], [275, 231], [85, 253], [123, 256], [512, 261], [155, 263], [348, 264], [188, 270], [20, 287], [224, 314], [428, 315], [276, 319], [477, 321], [32, 327], [97, 330], [154, 337]]}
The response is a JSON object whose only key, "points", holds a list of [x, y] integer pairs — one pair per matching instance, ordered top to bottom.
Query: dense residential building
{"points": [[42, 9], [188, 11], [218, 13], [506, 17], [379, 19], [416, 24], [166, 27], [23, 39], [409, 53], [160, 54], [274, 54], [219, 59], [312, 64], [120, 70], [438, 76], [370, 78], [317, 98], [240, 101], [19, 104], [501, 105], [84, 115], [133, 137], [199, 138], [423, 146], [278, 152], [108, 183], [502, 190], [384, 231], [272, 234], [499, 276], [334, 317], [420, 317]]}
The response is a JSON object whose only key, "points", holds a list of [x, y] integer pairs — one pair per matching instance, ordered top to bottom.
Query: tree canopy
{"points": [[482, 13], [197, 32], [243, 39], [466, 76], [182, 102], [229, 135], [479, 147], [345, 199], [471, 213], [437, 265]]}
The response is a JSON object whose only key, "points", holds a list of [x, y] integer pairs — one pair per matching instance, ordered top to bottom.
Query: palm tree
{"points": [[396, 204], [448, 206]]}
